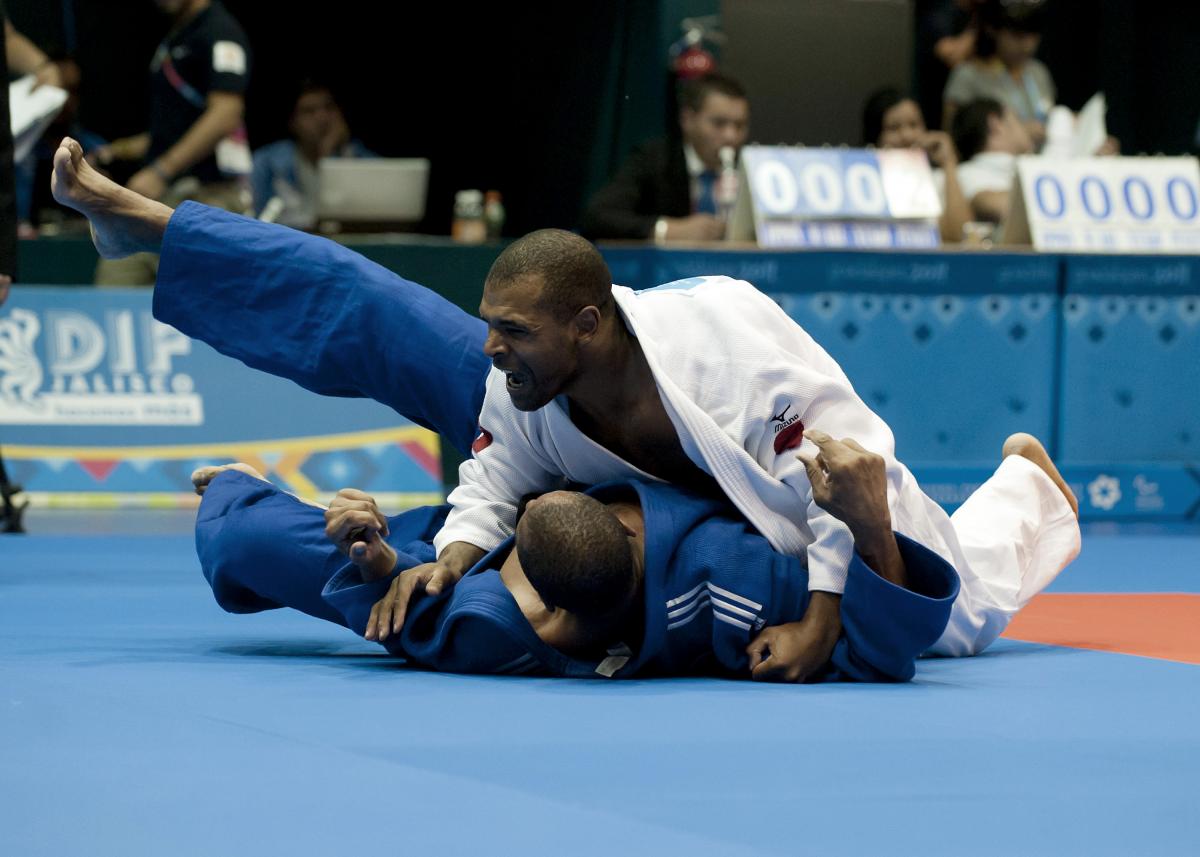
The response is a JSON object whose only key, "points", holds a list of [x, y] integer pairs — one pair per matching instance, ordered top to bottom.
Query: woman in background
{"points": [[1004, 67], [892, 120]]}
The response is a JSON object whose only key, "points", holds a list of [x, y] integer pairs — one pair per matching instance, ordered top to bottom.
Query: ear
{"points": [[586, 323]]}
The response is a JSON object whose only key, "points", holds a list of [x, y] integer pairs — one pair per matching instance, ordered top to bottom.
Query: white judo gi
{"points": [[740, 381]]}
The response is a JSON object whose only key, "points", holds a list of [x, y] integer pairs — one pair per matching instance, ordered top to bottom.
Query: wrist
{"points": [[157, 168], [871, 540], [457, 557], [385, 563], [825, 607]]}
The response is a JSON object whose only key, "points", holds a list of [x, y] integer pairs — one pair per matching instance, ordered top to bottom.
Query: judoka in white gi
{"points": [[593, 382]]}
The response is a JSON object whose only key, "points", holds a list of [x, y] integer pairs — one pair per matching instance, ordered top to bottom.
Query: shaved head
{"points": [[571, 271], [576, 554]]}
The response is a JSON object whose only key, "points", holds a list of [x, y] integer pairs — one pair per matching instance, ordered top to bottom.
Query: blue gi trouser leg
{"points": [[311, 310], [261, 548]]}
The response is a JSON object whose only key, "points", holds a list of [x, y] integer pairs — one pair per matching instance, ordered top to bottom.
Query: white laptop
{"points": [[390, 190]]}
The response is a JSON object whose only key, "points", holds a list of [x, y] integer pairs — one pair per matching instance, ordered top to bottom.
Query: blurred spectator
{"points": [[946, 31], [24, 57], [27, 58], [1004, 68], [894, 121], [989, 137], [196, 146], [287, 170], [665, 191], [8, 199], [12, 504]]}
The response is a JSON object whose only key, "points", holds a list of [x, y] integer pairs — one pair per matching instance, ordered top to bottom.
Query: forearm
{"points": [[24, 56], [215, 124], [129, 148], [956, 211], [878, 549], [460, 557], [824, 612]]}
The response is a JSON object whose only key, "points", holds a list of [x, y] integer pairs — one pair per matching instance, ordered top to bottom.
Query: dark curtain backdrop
{"points": [[528, 98], [542, 100]]}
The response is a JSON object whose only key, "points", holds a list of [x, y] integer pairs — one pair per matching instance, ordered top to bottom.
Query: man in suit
{"points": [[666, 190]]}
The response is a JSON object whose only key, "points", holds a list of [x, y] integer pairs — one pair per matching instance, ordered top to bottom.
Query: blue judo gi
{"points": [[338, 324], [711, 583]]}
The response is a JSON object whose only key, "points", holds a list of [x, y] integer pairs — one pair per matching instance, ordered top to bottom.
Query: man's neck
{"points": [[615, 380]]}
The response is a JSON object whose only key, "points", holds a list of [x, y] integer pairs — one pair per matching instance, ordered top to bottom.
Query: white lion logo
{"points": [[20, 370]]}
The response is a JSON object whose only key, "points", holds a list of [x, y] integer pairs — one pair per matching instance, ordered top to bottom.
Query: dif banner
{"points": [[100, 404]]}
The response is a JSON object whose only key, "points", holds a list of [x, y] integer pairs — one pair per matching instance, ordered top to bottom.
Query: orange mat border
{"points": [[1151, 625]]}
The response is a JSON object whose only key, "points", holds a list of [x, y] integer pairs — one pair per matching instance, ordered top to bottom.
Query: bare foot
{"points": [[122, 221], [1028, 446], [201, 476]]}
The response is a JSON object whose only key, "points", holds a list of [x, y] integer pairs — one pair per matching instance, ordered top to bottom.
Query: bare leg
{"points": [[123, 222], [1028, 446]]}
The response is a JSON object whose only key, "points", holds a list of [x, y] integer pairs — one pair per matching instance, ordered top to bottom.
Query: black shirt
{"points": [[209, 53]]}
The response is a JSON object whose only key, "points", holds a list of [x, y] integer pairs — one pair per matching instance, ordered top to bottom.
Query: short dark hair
{"points": [[1022, 16], [308, 85], [695, 91], [876, 107], [970, 126], [573, 272], [575, 553]]}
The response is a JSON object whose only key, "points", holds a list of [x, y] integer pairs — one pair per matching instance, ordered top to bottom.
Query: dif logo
{"points": [[65, 367]]}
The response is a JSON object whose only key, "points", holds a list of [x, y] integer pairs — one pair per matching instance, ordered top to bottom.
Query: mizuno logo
{"points": [[782, 420]]}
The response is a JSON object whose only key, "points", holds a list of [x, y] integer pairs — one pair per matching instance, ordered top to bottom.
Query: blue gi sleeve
{"points": [[317, 313], [261, 548], [473, 627], [885, 627]]}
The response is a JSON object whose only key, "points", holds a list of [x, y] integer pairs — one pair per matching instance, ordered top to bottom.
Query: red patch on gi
{"points": [[789, 437], [482, 442]]}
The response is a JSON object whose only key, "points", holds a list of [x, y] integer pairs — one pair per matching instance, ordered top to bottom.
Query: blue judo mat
{"points": [[138, 719]]}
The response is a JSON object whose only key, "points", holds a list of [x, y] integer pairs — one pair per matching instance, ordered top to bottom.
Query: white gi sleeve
{"points": [[807, 384], [838, 412], [505, 466]]}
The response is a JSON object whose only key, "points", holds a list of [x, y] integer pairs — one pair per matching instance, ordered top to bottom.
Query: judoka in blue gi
{"points": [[329, 304], [701, 582]]}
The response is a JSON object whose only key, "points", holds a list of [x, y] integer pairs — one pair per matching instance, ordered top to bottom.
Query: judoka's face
{"points": [[536, 350]]}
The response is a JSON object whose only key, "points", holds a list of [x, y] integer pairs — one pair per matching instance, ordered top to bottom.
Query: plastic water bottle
{"points": [[727, 184], [493, 214], [468, 226]]}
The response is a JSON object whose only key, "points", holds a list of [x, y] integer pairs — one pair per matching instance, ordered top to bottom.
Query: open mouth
{"points": [[514, 380]]}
